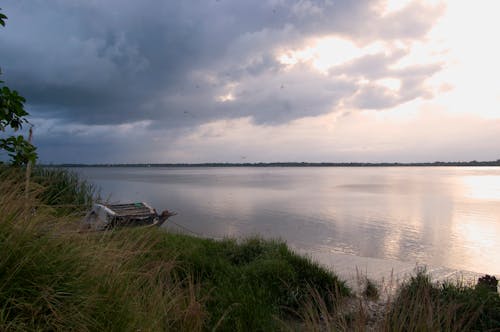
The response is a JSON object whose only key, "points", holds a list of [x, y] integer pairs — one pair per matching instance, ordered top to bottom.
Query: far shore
{"points": [[473, 163]]}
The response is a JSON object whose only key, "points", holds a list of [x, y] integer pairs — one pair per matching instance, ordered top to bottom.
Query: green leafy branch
{"points": [[13, 116], [19, 150]]}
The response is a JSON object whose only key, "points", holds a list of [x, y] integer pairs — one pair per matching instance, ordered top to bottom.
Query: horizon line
{"points": [[278, 164]]}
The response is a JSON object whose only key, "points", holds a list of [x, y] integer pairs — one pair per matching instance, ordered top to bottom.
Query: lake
{"points": [[443, 216]]}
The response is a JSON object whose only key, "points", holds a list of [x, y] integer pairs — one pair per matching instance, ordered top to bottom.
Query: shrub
{"points": [[488, 282], [370, 290]]}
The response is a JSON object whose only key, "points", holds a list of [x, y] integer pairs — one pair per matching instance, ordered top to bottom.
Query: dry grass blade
{"points": [[53, 279]]}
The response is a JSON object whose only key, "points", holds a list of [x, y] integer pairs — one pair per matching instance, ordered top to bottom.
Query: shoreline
{"points": [[473, 163], [387, 273]]}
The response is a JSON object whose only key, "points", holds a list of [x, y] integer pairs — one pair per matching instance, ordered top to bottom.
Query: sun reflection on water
{"points": [[482, 187], [434, 216], [475, 242]]}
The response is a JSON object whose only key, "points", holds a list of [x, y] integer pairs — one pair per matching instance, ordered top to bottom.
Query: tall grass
{"points": [[63, 190], [52, 280], [252, 285], [419, 305], [423, 306]]}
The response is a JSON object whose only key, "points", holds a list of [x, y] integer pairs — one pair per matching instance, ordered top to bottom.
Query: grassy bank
{"points": [[53, 277], [250, 285]]}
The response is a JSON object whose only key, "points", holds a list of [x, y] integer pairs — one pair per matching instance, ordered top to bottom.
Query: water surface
{"points": [[445, 216]]}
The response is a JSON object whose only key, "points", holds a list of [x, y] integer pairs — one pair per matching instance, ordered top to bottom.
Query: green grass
{"points": [[63, 190], [54, 278], [252, 285], [370, 290], [424, 306]]}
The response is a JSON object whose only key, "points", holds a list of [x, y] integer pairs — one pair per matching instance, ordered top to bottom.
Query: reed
{"points": [[64, 190], [52, 279], [419, 305], [446, 306]]}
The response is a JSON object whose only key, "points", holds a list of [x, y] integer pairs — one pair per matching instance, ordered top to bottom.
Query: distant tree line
{"points": [[292, 164]]}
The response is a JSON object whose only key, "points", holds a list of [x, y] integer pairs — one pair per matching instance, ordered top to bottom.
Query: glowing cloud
{"points": [[327, 52], [225, 98]]}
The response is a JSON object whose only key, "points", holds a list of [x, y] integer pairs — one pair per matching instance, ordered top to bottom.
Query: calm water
{"points": [[439, 216]]}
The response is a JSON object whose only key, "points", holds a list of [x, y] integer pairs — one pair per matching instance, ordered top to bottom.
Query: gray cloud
{"points": [[115, 62], [374, 96]]}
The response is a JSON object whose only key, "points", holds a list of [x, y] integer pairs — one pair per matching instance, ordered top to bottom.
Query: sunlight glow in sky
{"points": [[464, 47], [327, 52], [472, 57]]}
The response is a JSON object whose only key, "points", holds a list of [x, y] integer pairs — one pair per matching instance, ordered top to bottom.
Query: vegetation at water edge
{"points": [[54, 277]]}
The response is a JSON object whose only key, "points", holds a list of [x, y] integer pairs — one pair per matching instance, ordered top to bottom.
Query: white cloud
{"points": [[326, 52], [393, 84], [225, 98]]}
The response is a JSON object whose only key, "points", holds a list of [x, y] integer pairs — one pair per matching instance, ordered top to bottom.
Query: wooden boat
{"points": [[107, 216]]}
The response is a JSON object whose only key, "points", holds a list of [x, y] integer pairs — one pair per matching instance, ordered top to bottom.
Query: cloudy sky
{"points": [[249, 81]]}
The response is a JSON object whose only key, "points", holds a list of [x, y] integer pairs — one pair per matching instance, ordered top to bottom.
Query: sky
{"points": [[256, 81]]}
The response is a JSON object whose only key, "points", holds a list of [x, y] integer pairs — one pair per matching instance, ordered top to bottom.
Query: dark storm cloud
{"points": [[112, 62], [116, 62]]}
